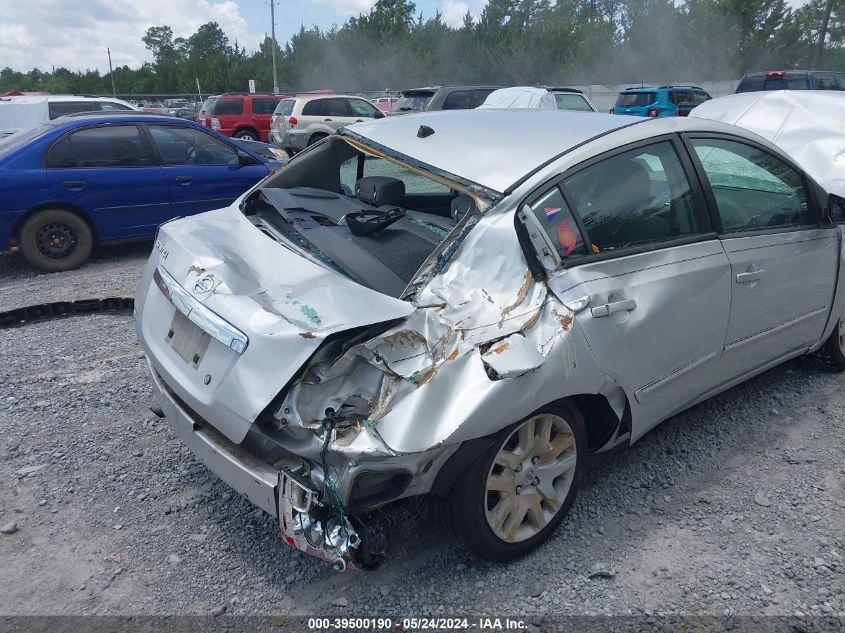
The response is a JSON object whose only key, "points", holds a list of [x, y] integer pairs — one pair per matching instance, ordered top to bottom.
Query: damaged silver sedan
{"points": [[468, 304]]}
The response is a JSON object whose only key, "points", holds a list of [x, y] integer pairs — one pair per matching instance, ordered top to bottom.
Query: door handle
{"points": [[328, 120], [359, 120], [184, 180], [73, 184], [751, 275], [626, 305]]}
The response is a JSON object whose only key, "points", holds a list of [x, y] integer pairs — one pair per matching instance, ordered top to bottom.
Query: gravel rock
{"points": [[762, 500], [680, 525], [8, 528], [218, 611]]}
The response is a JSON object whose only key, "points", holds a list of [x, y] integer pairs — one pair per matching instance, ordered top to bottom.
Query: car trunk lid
{"points": [[282, 302]]}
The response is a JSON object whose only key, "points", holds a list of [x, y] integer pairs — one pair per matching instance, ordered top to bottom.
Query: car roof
{"points": [[758, 73], [326, 96], [122, 117], [463, 143]]}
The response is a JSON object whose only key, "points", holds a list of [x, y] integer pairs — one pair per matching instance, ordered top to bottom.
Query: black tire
{"points": [[246, 134], [319, 136], [55, 240], [831, 356], [463, 510]]}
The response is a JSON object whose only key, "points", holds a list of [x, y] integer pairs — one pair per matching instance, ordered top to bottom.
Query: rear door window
{"points": [[825, 82], [477, 97], [458, 100], [264, 105], [113, 106], [227, 106], [313, 107], [335, 107], [61, 108], [103, 146], [753, 189], [635, 198], [559, 225]]}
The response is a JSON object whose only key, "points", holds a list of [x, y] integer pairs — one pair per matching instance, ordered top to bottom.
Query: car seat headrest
{"points": [[380, 190]]}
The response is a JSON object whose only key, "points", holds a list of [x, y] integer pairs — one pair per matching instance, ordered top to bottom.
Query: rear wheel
{"points": [[249, 135], [319, 136], [55, 240], [833, 351], [513, 497]]}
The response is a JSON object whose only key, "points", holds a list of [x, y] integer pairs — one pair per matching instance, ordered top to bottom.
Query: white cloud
{"points": [[348, 7], [454, 11], [76, 33]]}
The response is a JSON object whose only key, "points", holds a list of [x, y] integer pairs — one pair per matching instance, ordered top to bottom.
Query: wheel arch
{"points": [[246, 128], [46, 206], [602, 422]]}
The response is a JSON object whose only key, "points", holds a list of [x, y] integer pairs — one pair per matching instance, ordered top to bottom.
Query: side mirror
{"points": [[245, 160], [836, 208]]}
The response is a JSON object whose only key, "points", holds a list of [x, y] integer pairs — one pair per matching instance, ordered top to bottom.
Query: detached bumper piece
{"points": [[316, 529]]}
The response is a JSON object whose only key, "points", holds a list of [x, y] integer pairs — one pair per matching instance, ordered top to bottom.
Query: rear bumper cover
{"points": [[245, 473]]}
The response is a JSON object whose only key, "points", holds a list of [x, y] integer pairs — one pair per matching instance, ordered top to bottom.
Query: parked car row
{"points": [[68, 183]]}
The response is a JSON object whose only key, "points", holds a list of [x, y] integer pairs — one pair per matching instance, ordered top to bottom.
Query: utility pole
{"points": [[822, 34], [273, 44], [111, 73]]}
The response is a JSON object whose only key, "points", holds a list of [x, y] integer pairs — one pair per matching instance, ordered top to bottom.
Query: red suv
{"points": [[241, 115]]}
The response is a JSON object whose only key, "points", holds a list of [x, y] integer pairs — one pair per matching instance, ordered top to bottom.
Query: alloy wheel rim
{"points": [[56, 240], [530, 477]]}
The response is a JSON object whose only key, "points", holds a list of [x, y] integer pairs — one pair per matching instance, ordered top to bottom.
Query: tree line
{"points": [[525, 42]]}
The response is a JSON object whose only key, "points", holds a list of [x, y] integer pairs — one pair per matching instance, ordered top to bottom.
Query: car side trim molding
{"points": [[774, 330], [643, 393]]}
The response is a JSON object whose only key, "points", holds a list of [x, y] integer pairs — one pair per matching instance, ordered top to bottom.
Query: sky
{"points": [[76, 33]]}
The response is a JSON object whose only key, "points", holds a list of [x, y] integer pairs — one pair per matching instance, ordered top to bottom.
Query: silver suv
{"points": [[302, 121]]}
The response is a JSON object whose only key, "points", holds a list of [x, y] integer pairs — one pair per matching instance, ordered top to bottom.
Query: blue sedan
{"points": [[77, 180]]}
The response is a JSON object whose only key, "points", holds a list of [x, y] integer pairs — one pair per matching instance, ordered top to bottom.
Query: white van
{"points": [[22, 113]]}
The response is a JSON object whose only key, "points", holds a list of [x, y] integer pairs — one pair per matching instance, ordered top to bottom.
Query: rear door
{"points": [[457, 100], [336, 113], [262, 115], [202, 171], [110, 172], [634, 236], [783, 262]]}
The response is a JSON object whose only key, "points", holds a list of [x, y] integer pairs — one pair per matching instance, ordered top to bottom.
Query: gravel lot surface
{"points": [[734, 507]]}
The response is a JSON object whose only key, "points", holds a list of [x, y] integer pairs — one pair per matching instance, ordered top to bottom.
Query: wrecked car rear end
{"points": [[357, 330]]}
